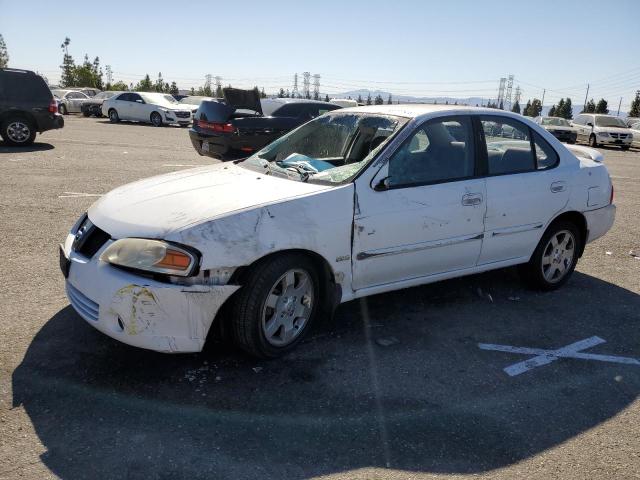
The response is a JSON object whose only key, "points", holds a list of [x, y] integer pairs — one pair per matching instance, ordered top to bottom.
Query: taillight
{"points": [[53, 106], [217, 127], [611, 199]]}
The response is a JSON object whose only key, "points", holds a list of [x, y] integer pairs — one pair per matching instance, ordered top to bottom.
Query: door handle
{"points": [[557, 187], [471, 199]]}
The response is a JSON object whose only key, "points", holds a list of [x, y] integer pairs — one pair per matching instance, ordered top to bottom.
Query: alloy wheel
{"points": [[18, 131], [558, 256], [288, 307]]}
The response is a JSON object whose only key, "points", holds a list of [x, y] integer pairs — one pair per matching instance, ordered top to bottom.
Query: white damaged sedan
{"points": [[359, 201]]}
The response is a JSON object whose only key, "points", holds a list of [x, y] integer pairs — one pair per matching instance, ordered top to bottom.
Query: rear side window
{"points": [[24, 87], [508, 146], [441, 150], [546, 156]]}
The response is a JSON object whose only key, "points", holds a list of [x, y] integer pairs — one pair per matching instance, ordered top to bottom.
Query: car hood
{"points": [[567, 128], [613, 129], [157, 206]]}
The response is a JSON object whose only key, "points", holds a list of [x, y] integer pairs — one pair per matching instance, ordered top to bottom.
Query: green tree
{"points": [[4, 54], [68, 66], [83, 75], [145, 85], [117, 86], [158, 86], [173, 89], [193, 91], [281, 93], [262, 94], [326, 98], [360, 99], [369, 99], [379, 100], [389, 100], [602, 106], [635, 106], [501, 107], [536, 107], [559, 107], [590, 107], [515, 108], [527, 109], [567, 110], [552, 111]]}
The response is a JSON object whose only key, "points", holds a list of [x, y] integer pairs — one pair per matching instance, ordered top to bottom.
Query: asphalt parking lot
{"points": [[395, 386]]}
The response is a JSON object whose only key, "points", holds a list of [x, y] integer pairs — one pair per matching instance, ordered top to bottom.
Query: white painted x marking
{"points": [[545, 357]]}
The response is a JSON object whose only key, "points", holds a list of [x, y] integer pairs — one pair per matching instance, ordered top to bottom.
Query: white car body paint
{"points": [[145, 105], [372, 241]]}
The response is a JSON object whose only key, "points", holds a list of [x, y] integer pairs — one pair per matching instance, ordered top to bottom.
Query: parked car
{"points": [[89, 91], [69, 101], [193, 102], [344, 102], [93, 105], [27, 107], [155, 108], [631, 120], [244, 123], [559, 128], [599, 129], [635, 130], [356, 202]]}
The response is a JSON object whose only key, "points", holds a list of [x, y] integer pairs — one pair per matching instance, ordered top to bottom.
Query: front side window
{"points": [[134, 97], [508, 146], [330, 149], [440, 150]]}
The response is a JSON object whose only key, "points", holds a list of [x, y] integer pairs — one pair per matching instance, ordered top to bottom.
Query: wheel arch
{"points": [[579, 220]]}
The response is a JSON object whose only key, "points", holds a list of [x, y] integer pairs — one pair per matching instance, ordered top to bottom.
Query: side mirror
{"points": [[139, 101], [589, 124], [382, 185]]}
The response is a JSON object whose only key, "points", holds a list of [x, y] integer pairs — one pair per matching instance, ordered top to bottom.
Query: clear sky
{"points": [[423, 48]]}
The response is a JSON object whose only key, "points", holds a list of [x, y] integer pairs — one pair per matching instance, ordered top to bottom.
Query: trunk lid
{"points": [[243, 99]]}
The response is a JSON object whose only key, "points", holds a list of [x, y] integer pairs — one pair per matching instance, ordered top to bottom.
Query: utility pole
{"points": [[218, 84], [544, 92], [619, 104], [584, 107]]}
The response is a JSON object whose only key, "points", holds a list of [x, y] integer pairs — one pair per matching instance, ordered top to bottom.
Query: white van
{"points": [[598, 129]]}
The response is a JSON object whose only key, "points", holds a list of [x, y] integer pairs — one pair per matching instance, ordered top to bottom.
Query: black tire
{"points": [[63, 109], [86, 113], [113, 116], [156, 119], [18, 131], [592, 141], [626, 147], [533, 272], [249, 304]]}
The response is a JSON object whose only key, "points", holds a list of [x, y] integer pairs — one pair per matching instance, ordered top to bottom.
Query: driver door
{"points": [[423, 213]]}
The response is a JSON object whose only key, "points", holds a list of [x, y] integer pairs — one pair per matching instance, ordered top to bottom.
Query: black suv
{"points": [[27, 106], [242, 124]]}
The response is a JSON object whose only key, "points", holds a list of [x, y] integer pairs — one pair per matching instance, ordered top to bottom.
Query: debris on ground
{"points": [[607, 253], [634, 254], [485, 295], [387, 341], [257, 369]]}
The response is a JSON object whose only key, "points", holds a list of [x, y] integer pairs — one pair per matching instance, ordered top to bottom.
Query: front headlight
{"points": [[151, 256]]}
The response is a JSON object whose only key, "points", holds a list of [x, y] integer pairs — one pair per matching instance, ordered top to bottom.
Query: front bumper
{"points": [[171, 117], [564, 135], [613, 141], [599, 221], [139, 311]]}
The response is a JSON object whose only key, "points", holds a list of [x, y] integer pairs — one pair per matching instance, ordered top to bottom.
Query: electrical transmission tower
{"points": [[218, 85], [316, 86], [295, 93], [306, 93], [518, 94], [500, 100], [507, 102]]}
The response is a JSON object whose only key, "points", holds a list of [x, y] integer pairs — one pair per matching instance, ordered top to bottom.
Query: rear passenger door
{"points": [[122, 106], [526, 187]]}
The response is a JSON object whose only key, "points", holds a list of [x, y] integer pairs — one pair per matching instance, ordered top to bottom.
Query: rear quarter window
{"points": [[24, 87]]}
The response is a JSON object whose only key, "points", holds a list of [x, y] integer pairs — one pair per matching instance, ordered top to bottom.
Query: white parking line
{"points": [[78, 195], [545, 357]]}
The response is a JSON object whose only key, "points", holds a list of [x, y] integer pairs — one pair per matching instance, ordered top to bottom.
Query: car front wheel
{"points": [[156, 119], [18, 131], [592, 141], [555, 257], [276, 305]]}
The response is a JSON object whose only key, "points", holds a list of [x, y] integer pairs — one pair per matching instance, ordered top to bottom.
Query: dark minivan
{"points": [[27, 107], [243, 123]]}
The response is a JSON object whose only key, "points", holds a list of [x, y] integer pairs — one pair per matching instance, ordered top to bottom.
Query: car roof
{"points": [[292, 100], [417, 110]]}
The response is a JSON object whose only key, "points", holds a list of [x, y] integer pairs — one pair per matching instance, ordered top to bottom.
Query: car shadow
{"points": [[135, 124], [34, 147], [392, 381]]}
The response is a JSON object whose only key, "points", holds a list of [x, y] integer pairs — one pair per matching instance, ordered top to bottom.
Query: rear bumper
{"points": [[51, 121], [217, 146], [599, 221]]}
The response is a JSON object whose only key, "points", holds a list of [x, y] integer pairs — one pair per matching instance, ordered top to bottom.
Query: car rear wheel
{"points": [[63, 109], [113, 116], [156, 119], [18, 131], [592, 141], [626, 147], [555, 257], [276, 305]]}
